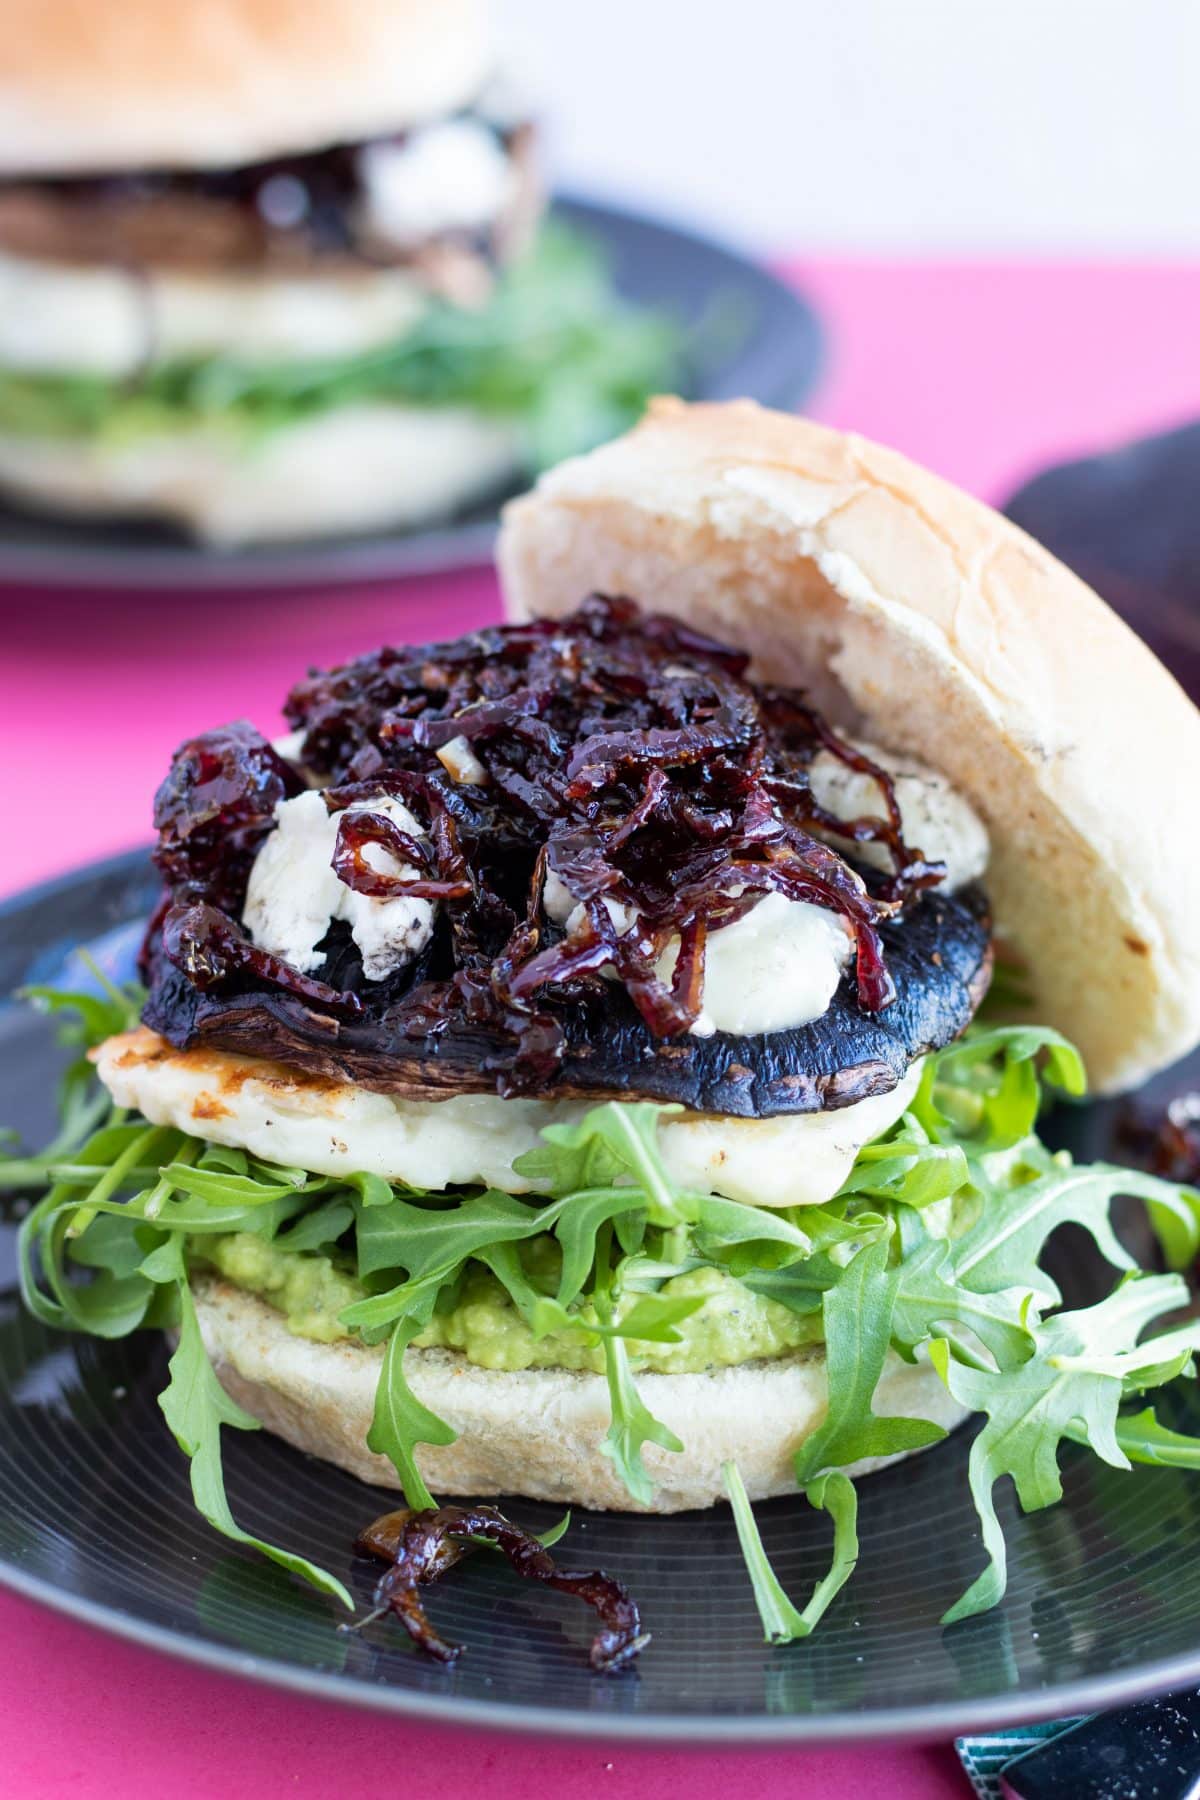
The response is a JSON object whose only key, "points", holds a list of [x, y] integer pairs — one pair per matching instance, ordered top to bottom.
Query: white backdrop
{"points": [[922, 125]]}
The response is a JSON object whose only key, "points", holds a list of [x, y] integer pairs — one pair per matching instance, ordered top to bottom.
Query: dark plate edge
{"points": [[119, 863], [910, 1723]]}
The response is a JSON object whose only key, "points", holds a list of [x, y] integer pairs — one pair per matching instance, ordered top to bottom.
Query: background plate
{"points": [[773, 357], [1127, 521], [96, 1518]]}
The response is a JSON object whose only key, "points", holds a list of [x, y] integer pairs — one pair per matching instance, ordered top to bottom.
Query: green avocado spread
{"points": [[732, 1324]]}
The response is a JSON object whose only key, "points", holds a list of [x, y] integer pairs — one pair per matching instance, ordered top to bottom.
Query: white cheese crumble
{"points": [[454, 176], [461, 763], [934, 816], [293, 895], [562, 906], [778, 967], [775, 969], [332, 1129]]}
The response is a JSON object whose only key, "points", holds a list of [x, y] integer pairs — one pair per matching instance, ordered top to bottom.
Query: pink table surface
{"points": [[983, 371]]}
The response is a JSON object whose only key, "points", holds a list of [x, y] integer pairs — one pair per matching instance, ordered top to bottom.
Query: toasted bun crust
{"points": [[86, 85], [354, 468], [920, 616], [538, 1432]]}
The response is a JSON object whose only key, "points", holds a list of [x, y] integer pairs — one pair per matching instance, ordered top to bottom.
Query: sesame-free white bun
{"points": [[92, 86], [351, 469], [917, 615], [538, 1432]]}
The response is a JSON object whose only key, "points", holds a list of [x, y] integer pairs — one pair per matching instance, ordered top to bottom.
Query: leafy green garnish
{"points": [[86, 1017], [985, 1089], [858, 1317], [1072, 1386], [196, 1406], [401, 1421], [633, 1424], [1144, 1440], [782, 1623]]}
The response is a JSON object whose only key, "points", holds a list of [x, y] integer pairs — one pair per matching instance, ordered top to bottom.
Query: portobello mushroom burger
{"points": [[274, 269], [559, 1072]]}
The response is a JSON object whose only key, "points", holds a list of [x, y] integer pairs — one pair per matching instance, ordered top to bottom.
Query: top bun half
{"points": [[96, 86], [917, 615]]}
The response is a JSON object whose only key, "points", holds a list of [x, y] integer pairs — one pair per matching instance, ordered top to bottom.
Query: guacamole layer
{"points": [[731, 1325]]}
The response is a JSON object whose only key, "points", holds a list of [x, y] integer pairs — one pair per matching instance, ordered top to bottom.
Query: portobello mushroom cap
{"points": [[938, 953]]}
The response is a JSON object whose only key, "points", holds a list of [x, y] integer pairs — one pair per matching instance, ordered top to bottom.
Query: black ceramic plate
{"points": [[772, 355], [1127, 521], [95, 1518]]}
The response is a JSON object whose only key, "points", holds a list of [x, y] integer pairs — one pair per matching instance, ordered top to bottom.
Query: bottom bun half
{"points": [[355, 468], [538, 1432]]}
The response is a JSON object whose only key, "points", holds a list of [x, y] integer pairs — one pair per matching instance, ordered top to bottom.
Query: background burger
{"points": [[273, 268], [561, 1072]]}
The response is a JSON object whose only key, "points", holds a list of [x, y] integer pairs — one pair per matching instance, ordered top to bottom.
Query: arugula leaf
{"points": [[99, 1015], [1062, 1066], [985, 1087], [84, 1108], [609, 1141], [224, 1156], [568, 1160], [100, 1166], [907, 1166], [224, 1188], [372, 1190], [580, 1218], [721, 1226], [318, 1229], [420, 1240], [431, 1247], [1003, 1247], [801, 1286], [930, 1295], [651, 1318], [858, 1324], [1072, 1386], [196, 1406], [401, 1421], [633, 1424], [1144, 1440], [548, 1539], [782, 1623]]}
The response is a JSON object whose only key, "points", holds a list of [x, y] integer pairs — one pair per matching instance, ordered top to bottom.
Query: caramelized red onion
{"points": [[625, 753], [214, 809], [357, 830], [205, 945], [1166, 1140], [422, 1546]]}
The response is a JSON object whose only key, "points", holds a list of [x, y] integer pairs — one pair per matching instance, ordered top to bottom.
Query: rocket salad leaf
{"points": [[858, 1323], [1072, 1385], [196, 1406], [401, 1421], [782, 1623]]}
